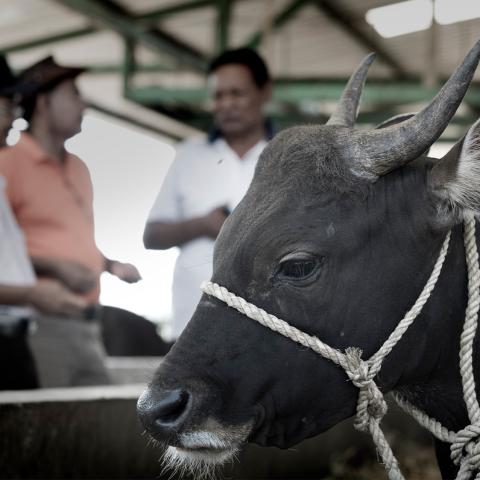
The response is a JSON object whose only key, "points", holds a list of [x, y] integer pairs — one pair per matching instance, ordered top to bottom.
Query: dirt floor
{"points": [[417, 462]]}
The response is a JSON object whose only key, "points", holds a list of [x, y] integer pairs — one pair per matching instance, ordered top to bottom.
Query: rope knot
{"points": [[357, 370], [360, 376], [371, 404], [466, 447]]}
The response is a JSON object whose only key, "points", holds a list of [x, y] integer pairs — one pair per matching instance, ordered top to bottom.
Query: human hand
{"points": [[213, 222], [124, 271], [74, 276], [51, 297]]}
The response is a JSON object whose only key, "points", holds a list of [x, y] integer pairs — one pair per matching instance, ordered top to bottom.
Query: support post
{"points": [[223, 24], [129, 66]]}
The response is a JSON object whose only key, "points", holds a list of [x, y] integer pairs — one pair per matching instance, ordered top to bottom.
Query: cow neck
{"points": [[371, 405]]}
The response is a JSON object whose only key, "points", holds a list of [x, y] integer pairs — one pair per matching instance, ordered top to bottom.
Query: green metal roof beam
{"points": [[224, 8], [155, 15], [283, 17], [347, 22], [124, 25], [38, 42], [129, 65], [147, 68], [380, 93], [133, 121]]}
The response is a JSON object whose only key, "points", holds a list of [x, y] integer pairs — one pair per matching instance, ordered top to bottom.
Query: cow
{"points": [[337, 234]]}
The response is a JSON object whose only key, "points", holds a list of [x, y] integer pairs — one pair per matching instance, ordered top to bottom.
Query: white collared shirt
{"points": [[204, 176], [15, 266]]}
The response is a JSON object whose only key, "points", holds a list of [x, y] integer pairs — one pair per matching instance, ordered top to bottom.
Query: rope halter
{"points": [[371, 404]]}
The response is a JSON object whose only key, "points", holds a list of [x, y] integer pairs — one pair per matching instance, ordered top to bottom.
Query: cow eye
{"points": [[298, 267]]}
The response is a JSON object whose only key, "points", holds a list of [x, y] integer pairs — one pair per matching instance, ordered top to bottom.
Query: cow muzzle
{"points": [[164, 413], [175, 417]]}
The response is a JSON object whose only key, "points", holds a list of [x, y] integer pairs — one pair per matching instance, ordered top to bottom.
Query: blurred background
{"points": [[146, 86]]}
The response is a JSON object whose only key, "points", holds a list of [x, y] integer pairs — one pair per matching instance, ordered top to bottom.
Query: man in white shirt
{"points": [[210, 176]]}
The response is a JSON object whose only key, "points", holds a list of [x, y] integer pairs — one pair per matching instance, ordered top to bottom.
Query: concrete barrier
{"points": [[74, 433], [94, 433]]}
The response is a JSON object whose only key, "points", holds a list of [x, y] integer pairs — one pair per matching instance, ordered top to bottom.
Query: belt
{"points": [[91, 313], [15, 327]]}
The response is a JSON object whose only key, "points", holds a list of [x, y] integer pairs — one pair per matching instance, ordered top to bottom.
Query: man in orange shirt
{"points": [[51, 194], [20, 291]]}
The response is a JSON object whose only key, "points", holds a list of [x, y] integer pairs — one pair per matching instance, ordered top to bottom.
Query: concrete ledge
{"points": [[72, 394], [93, 432], [74, 433]]}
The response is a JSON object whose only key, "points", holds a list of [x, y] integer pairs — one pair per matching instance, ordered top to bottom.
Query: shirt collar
{"points": [[215, 133], [33, 150], [251, 155]]}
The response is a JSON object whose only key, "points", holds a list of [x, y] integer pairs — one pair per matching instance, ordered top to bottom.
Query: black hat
{"points": [[44, 76], [8, 82]]}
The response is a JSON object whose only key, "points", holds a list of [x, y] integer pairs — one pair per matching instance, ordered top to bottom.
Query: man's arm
{"points": [[166, 228], [160, 235], [164, 235], [124, 271], [74, 276], [14, 295], [47, 296]]}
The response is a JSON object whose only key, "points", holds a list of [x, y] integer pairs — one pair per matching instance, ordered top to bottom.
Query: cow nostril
{"points": [[171, 407], [164, 412]]}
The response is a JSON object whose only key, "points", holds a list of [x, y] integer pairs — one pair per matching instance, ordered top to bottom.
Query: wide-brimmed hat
{"points": [[45, 75], [8, 82]]}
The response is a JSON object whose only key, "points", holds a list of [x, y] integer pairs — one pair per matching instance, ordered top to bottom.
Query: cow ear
{"points": [[455, 179]]}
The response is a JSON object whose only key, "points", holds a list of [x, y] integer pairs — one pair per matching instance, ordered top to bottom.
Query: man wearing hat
{"points": [[50, 192], [19, 288]]}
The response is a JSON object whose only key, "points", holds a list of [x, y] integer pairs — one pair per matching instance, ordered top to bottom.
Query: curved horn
{"points": [[347, 108], [401, 117], [380, 151]]}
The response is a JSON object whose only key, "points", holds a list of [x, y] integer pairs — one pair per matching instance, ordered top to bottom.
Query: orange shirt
{"points": [[53, 204]]}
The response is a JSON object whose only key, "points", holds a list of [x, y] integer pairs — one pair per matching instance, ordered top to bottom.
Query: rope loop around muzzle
{"points": [[371, 405]]}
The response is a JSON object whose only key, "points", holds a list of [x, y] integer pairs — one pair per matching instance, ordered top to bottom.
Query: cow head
{"points": [[337, 234]]}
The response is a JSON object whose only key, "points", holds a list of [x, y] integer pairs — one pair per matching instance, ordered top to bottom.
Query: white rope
{"points": [[274, 323], [470, 325], [377, 358], [371, 405], [434, 426], [465, 450]]}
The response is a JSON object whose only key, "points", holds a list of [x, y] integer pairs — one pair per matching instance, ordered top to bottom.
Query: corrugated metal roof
{"points": [[312, 44]]}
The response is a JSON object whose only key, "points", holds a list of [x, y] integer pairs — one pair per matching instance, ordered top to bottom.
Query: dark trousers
{"points": [[68, 352], [17, 368]]}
